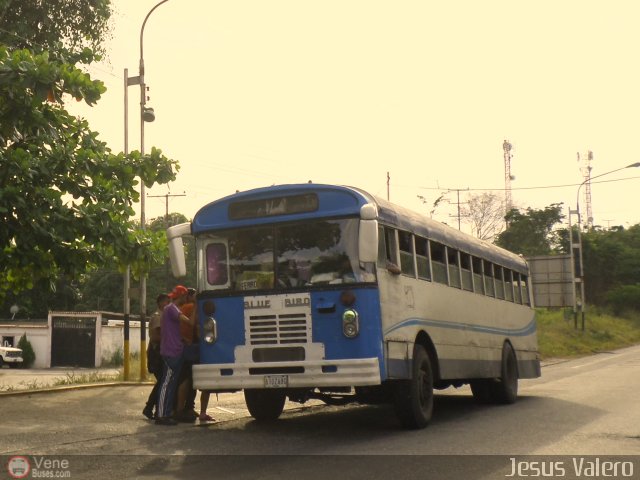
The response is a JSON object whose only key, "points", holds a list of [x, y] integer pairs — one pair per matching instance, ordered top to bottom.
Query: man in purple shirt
{"points": [[171, 347]]}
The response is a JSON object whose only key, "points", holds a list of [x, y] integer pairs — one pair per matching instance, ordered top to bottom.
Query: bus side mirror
{"points": [[368, 237], [176, 248]]}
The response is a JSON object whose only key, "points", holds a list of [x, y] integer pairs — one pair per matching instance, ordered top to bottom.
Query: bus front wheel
{"points": [[414, 398], [264, 405]]}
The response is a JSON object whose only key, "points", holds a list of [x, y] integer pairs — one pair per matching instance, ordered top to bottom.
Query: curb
{"points": [[80, 386]]}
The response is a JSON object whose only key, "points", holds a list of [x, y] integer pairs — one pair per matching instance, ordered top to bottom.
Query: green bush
{"points": [[624, 299], [28, 355], [116, 359]]}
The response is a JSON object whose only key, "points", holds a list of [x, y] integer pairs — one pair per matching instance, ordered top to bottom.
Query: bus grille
{"points": [[278, 329]]}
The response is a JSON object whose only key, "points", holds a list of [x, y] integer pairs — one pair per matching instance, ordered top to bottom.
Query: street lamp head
{"points": [[148, 114], [633, 165]]}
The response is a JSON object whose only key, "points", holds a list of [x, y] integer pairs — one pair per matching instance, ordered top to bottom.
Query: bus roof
{"points": [[344, 201]]}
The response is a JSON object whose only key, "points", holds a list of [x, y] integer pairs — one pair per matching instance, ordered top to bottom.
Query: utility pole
{"points": [[166, 203], [458, 203], [166, 225]]}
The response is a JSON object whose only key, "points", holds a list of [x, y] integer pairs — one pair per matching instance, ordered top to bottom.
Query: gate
{"points": [[73, 342]]}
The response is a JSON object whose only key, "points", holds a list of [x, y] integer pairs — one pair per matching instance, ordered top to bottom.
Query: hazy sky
{"points": [[254, 93]]}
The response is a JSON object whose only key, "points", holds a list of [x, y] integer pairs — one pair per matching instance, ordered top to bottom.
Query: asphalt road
{"points": [[581, 407]]}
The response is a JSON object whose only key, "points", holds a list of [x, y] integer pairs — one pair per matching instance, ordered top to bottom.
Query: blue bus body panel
{"points": [[230, 319], [326, 327]]}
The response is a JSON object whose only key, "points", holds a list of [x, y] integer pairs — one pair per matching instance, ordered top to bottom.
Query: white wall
{"points": [[38, 335], [112, 337], [109, 338]]}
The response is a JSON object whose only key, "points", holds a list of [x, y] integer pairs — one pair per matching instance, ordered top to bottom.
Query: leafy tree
{"points": [[66, 27], [65, 198], [532, 233], [611, 263], [59, 294], [624, 298]]}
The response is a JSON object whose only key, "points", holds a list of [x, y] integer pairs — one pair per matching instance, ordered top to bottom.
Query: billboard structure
{"points": [[552, 281]]}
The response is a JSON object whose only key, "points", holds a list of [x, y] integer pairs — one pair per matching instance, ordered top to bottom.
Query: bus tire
{"points": [[505, 389], [413, 400], [264, 405]]}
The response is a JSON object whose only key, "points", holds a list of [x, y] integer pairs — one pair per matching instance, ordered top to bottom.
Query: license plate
{"points": [[276, 381]]}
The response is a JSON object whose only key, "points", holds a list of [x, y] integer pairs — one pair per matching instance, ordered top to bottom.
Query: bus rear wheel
{"points": [[503, 390], [414, 398], [264, 405]]}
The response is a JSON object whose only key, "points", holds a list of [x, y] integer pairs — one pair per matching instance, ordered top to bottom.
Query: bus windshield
{"points": [[283, 257]]}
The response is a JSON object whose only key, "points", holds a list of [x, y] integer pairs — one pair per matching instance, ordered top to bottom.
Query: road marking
{"points": [[605, 356], [226, 410]]}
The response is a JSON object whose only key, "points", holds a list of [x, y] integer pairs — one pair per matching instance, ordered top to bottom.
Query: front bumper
{"points": [[12, 359], [336, 373]]}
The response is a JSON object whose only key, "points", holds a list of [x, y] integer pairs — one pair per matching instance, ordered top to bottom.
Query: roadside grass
{"points": [[558, 337], [134, 369], [83, 378], [69, 379]]}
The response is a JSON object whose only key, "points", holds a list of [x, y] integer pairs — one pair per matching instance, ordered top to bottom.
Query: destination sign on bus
{"points": [[269, 207]]}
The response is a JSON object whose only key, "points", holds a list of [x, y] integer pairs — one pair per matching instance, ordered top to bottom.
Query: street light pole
{"points": [[146, 115], [633, 165], [578, 269]]}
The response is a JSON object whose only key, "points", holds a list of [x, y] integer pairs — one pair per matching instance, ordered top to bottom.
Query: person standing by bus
{"points": [[171, 349], [154, 359], [185, 399]]}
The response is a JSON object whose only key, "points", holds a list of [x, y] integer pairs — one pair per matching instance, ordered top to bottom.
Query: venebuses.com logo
{"points": [[18, 467], [38, 467]]}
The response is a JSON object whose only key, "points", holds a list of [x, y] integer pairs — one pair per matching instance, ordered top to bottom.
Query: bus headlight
{"points": [[350, 323], [210, 330]]}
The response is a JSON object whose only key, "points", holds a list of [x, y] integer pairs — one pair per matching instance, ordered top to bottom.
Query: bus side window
{"points": [[405, 242], [382, 248], [387, 248], [422, 258], [438, 262], [465, 265], [454, 267], [497, 269], [478, 284], [508, 285], [489, 286], [525, 290], [517, 292]]}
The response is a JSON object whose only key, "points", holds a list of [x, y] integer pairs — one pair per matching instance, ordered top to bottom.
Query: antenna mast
{"points": [[585, 169], [508, 205]]}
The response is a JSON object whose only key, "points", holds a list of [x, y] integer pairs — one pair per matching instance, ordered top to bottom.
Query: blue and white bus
{"points": [[327, 292]]}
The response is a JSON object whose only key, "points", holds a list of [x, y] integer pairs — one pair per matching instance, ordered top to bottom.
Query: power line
{"points": [[523, 188]]}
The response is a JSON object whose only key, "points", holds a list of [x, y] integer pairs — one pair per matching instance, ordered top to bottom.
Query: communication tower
{"points": [[506, 146], [585, 169]]}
